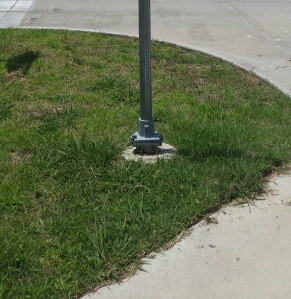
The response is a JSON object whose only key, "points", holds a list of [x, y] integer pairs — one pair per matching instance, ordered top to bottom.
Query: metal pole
{"points": [[145, 59], [146, 137]]}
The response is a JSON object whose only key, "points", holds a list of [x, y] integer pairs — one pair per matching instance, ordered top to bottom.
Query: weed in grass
{"points": [[118, 90], [60, 99], [5, 110], [56, 119], [77, 156]]}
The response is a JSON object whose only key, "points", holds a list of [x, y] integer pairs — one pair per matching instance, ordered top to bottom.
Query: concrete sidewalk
{"points": [[12, 12], [245, 255]]}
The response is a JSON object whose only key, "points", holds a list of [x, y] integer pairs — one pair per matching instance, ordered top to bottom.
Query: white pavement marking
{"points": [[12, 12]]}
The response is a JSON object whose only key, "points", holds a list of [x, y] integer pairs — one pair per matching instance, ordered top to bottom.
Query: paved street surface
{"points": [[246, 255]]}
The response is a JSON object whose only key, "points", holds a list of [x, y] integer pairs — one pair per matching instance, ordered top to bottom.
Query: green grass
{"points": [[73, 213]]}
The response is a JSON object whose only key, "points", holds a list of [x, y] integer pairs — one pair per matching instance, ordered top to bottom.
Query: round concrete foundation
{"points": [[165, 151]]}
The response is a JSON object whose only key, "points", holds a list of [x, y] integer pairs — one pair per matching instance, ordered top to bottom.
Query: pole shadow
{"points": [[22, 62]]}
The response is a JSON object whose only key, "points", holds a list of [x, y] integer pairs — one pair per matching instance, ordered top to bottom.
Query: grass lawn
{"points": [[73, 213]]}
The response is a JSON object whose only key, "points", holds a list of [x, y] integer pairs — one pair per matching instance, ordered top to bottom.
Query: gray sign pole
{"points": [[146, 137]]}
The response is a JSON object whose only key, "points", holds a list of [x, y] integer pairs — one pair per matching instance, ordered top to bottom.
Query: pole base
{"points": [[146, 136], [139, 141]]}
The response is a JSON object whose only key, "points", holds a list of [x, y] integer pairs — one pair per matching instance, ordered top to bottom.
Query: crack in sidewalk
{"points": [[282, 67]]}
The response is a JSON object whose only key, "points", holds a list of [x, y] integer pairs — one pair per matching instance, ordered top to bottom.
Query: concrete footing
{"points": [[165, 151]]}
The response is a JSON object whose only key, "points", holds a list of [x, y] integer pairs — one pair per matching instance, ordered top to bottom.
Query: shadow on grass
{"points": [[22, 62], [221, 153], [203, 154]]}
